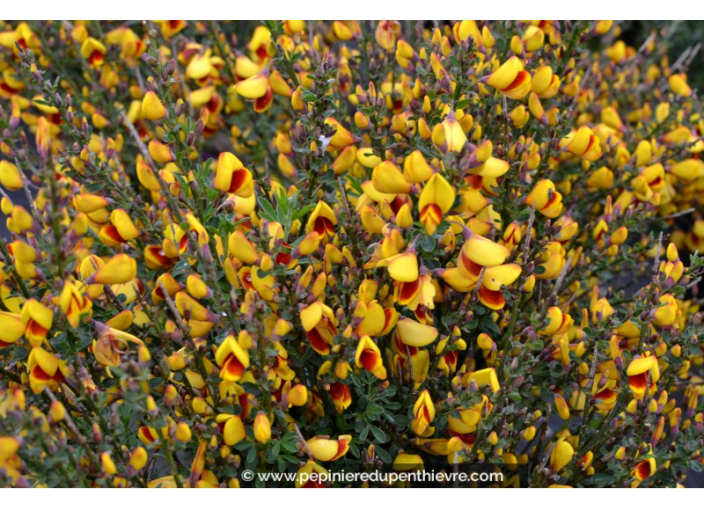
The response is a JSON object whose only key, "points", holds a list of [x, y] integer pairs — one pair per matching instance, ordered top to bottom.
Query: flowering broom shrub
{"points": [[306, 247]]}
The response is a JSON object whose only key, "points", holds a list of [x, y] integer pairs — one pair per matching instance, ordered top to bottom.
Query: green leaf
{"points": [[307, 95], [268, 211], [302, 212], [427, 243], [401, 420], [364, 433], [379, 434], [383, 455], [251, 461], [696, 466], [600, 480]]}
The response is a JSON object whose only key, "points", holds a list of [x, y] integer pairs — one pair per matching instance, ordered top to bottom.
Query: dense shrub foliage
{"points": [[303, 246]]}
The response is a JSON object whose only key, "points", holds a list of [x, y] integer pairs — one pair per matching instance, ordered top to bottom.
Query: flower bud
{"points": [[262, 428]]}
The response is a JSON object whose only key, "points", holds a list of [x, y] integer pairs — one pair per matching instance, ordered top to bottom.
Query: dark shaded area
{"points": [[678, 35]]}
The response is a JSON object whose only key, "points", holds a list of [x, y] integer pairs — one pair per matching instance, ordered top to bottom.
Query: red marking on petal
{"points": [[261, 52], [96, 58], [520, 79], [263, 103], [239, 177], [323, 225], [112, 233], [283, 259], [469, 266], [408, 291], [492, 298], [318, 342], [368, 359], [233, 366], [637, 381], [147, 434], [341, 447], [644, 469]]}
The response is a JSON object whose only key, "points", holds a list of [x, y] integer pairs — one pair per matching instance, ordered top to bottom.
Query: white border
{"points": [[349, 9], [307, 499]]}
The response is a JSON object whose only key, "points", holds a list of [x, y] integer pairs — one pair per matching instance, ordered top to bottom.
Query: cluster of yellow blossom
{"points": [[302, 246]]}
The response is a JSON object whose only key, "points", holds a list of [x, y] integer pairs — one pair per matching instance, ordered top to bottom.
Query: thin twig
{"points": [[140, 144], [30, 198], [680, 213], [529, 228], [656, 262], [692, 284], [174, 311], [410, 366], [74, 429], [303, 440]]}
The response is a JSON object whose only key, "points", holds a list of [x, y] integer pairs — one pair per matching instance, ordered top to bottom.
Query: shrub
{"points": [[300, 246]]}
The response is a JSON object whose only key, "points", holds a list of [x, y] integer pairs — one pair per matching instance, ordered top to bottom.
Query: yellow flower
{"points": [[387, 31], [93, 51], [511, 79], [545, 83], [678, 84], [152, 107], [448, 136], [341, 137], [583, 143], [160, 152], [10, 176], [232, 177], [388, 178], [436, 199], [546, 199], [322, 220], [121, 229], [478, 252], [403, 267], [119, 269], [495, 278], [75, 304], [666, 313], [38, 319], [558, 322], [319, 323], [13, 327], [414, 334], [110, 344], [368, 357], [232, 359], [45, 370], [640, 371], [484, 377], [340, 395], [561, 407], [423, 413], [232, 428], [262, 428], [325, 449], [561, 455], [139, 458], [408, 462], [108, 465], [645, 468], [305, 478]]}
